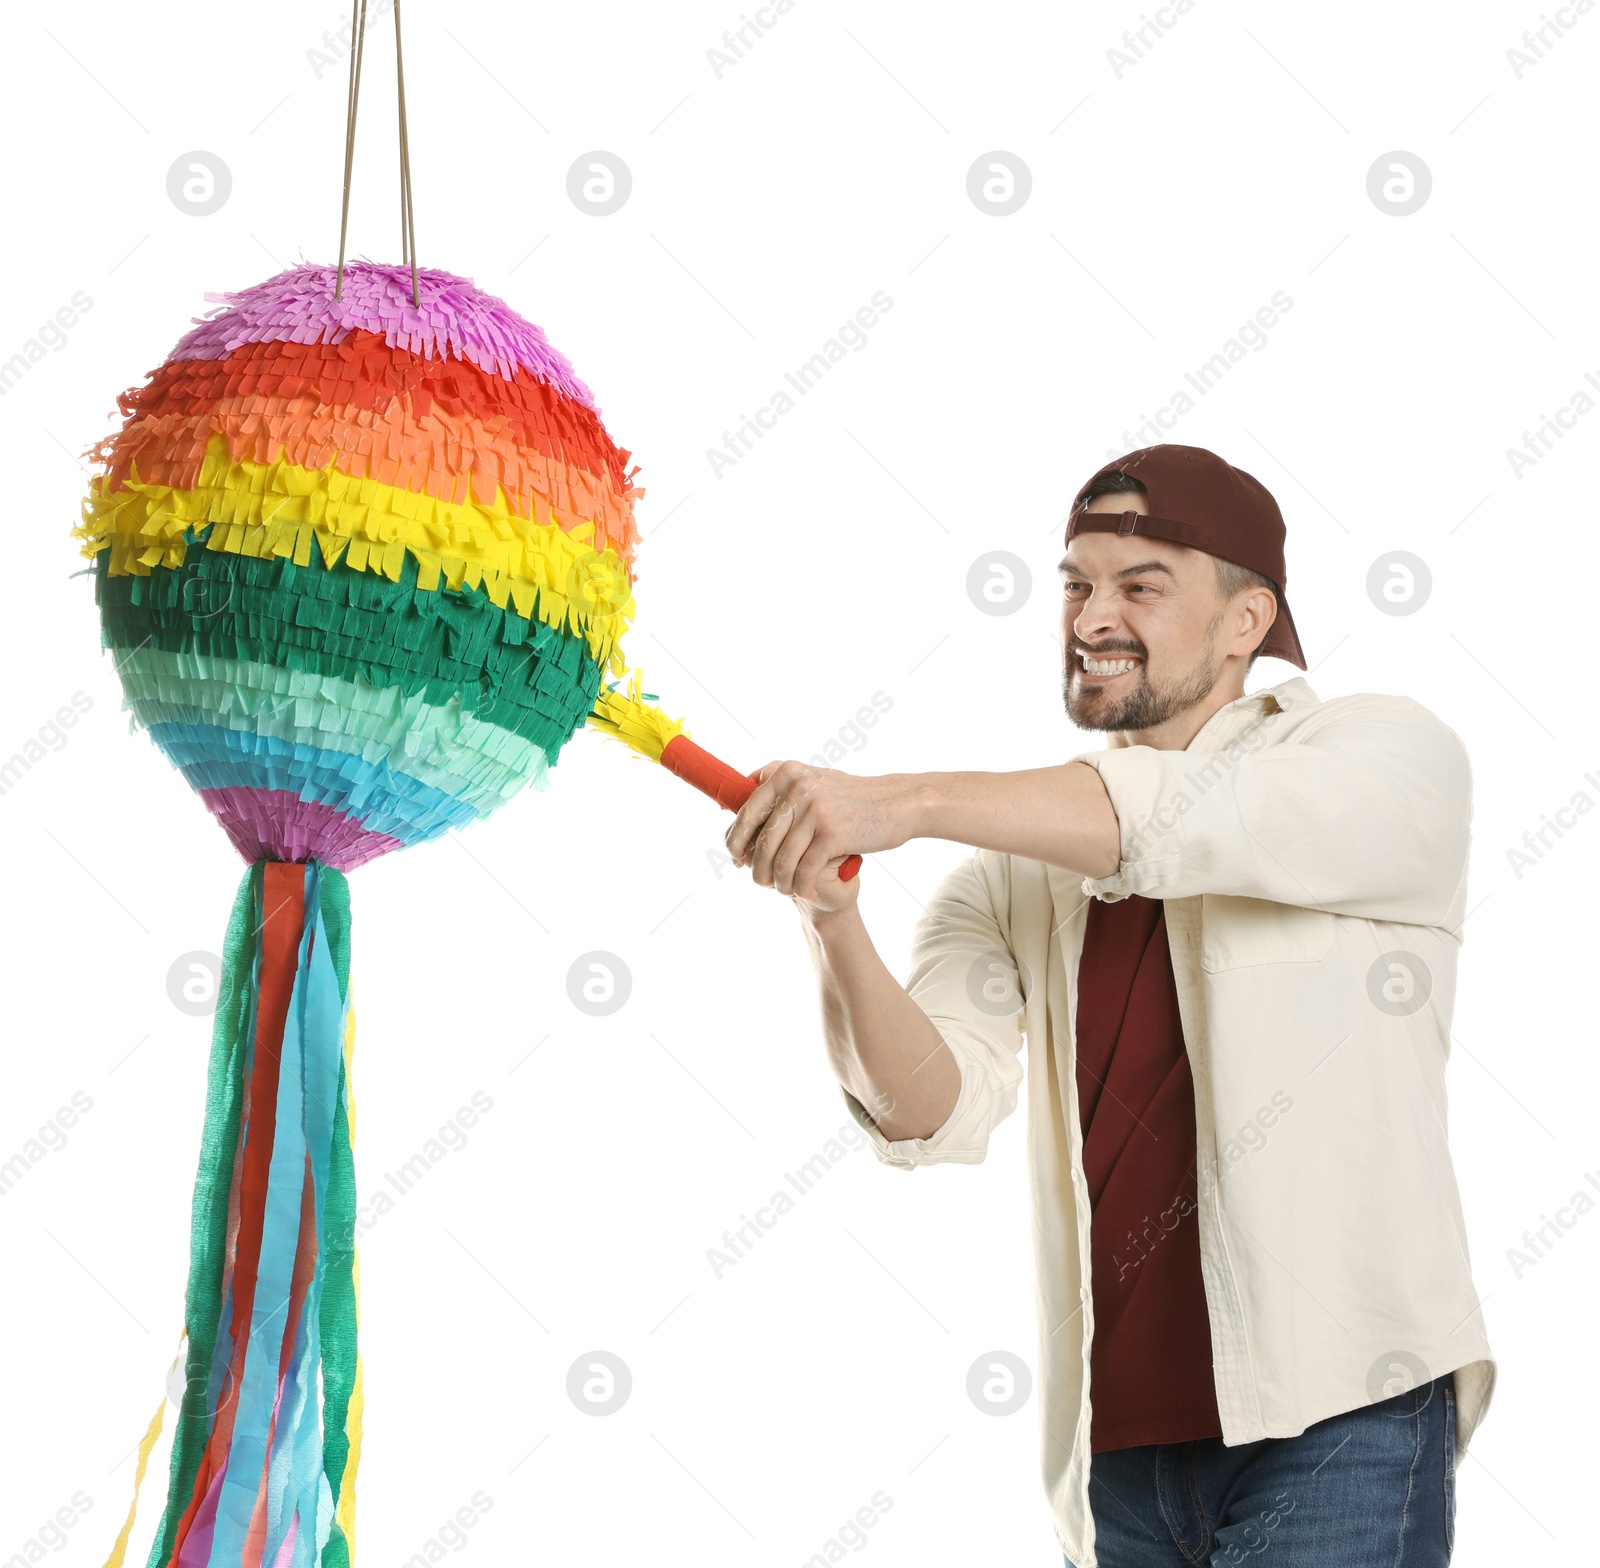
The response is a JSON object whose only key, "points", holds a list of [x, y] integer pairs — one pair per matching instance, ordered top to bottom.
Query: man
{"points": [[1228, 942]]}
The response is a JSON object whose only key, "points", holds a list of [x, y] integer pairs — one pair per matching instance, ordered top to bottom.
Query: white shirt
{"points": [[1312, 857]]}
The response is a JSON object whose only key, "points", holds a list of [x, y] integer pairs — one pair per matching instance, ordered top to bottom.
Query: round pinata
{"points": [[362, 563]]}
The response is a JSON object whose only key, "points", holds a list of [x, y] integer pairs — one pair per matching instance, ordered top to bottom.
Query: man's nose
{"points": [[1095, 620]]}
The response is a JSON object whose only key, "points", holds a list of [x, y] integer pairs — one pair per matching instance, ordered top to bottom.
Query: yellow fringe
{"points": [[277, 509], [627, 718], [146, 1445], [347, 1488], [346, 1511]]}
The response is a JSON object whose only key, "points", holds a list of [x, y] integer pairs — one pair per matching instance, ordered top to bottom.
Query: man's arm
{"points": [[1365, 811], [1062, 816], [801, 819], [882, 1047], [926, 1068]]}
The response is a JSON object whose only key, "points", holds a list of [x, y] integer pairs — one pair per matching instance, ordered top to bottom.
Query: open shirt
{"points": [[1312, 857]]}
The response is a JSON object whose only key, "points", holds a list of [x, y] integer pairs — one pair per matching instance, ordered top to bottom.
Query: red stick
{"points": [[695, 765]]}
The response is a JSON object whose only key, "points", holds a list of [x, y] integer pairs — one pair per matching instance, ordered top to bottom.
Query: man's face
{"points": [[1139, 625]]}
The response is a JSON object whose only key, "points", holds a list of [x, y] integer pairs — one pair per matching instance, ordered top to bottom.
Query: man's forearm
{"points": [[1060, 815], [799, 819], [883, 1048]]}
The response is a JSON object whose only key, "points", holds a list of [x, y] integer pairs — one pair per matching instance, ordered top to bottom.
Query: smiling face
{"points": [[1151, 645]]}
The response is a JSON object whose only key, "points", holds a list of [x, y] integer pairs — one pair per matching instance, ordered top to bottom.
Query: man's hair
{"points": [[1231, 577]]}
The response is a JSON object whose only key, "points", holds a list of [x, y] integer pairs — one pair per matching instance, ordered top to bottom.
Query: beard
{"points": [[1146, 704]]}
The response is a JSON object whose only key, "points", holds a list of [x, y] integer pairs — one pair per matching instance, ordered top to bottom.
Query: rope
{"points": [[358, 28], [408, 227]]}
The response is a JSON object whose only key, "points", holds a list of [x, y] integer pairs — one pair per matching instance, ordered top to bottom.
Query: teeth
{"points": [[1106, 666]]}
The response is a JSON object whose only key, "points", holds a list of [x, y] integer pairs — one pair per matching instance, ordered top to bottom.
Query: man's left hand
{"points": [[801, 821]]}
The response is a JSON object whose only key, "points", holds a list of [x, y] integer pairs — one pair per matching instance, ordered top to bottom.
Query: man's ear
{"points": [[1265, 604], [1270, 609]]}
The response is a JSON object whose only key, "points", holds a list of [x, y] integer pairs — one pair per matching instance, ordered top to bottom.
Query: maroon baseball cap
{"points": [[1197, 499]]}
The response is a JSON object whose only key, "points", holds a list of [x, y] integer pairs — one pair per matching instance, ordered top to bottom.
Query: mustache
{"points": [[1106, 653]]}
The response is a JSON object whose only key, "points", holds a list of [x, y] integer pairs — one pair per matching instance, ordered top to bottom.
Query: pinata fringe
{"points": [[455, 318], [361, 375], [457, 459], [281, 510], [451, 650], [440, 745], [264, 1460]]}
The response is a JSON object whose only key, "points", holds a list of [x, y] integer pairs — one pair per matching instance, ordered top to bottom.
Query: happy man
{"points": [[1228, 941]]}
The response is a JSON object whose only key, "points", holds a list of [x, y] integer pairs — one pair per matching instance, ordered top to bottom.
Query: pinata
{"points": [[362, 565]]}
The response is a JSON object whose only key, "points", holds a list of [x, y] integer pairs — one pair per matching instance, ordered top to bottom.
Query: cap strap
{"points": [[1083, 522]]}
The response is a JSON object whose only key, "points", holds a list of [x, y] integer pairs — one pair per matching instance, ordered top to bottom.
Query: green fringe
{"points": [[506, 669], [333, 899], [232, 1029], [337, 1318]]}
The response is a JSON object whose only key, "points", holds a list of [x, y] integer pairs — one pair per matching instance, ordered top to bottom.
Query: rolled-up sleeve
{"points": [[1365, 811], [965, 978]]}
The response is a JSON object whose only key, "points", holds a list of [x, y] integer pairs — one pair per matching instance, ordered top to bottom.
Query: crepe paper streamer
{"points": [[650, 733], [147, 1443], [265, 1445]]}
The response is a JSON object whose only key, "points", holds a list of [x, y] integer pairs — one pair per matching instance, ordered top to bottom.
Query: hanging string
{"points": [[358, 31], [408, 229]]}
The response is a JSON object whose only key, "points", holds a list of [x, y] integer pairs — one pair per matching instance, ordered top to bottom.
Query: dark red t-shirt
{"points": [[1150, 1360]]}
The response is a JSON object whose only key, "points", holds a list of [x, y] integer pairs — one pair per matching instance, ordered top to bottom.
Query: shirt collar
{"points": [[1237, 716]]}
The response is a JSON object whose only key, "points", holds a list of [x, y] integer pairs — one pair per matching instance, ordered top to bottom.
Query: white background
{"points": [[768, 204]]}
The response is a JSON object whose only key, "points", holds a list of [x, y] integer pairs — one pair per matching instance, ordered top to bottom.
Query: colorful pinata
{"points": [[361, 564]]}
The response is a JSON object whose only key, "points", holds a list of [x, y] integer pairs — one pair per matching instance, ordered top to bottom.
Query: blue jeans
{"points": [[1372, 1487]]}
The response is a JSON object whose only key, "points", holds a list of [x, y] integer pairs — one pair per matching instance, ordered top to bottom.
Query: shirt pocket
{"points": [[1236, 932]]}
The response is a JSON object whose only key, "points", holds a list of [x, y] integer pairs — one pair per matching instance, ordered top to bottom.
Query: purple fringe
{"points": [[456, 317]]}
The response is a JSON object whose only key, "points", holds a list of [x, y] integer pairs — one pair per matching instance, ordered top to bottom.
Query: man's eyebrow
{"points": [[1066, 568]]}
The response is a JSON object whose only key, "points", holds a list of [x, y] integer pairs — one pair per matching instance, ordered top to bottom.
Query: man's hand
{"points": [[801, 822]]}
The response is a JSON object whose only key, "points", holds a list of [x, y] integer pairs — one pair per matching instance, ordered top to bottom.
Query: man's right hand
{"points": [[832, 895]]}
